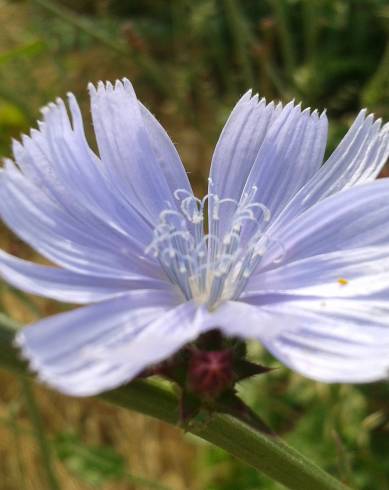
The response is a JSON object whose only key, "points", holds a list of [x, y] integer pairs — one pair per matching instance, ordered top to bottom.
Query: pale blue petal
{"points": [[239, 144], [271, 149], [291, 153], [57, 158], [358, 159], [169, 161], [135, 169], [355, 218], [54, 234], [345, 273], [64, 285], [239, 319], [327, 339], [332, 340], [99, 347]]}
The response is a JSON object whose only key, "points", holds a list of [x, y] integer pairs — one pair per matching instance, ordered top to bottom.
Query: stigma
{"points": [[210, 247]]}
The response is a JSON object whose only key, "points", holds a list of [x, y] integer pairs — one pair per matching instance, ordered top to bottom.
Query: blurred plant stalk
{"points": [[241, 37], [286, 38], [145, 63], [40, 434]]}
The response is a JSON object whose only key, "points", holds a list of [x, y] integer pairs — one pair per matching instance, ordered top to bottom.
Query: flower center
{"points": [[211, 260]]}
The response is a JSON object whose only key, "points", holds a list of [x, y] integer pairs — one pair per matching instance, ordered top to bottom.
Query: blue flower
{"points": [[282, 249]]}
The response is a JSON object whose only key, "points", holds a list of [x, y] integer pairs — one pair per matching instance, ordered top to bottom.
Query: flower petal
{"points": [[239, 144], [271, 150], [165, 152], [289, 156], [57, 158], [358, 159], [140, 173], [351, 219], [61, 238], [345, 273], [67, 286], [228, 318], [332, 340], [99, 347]]}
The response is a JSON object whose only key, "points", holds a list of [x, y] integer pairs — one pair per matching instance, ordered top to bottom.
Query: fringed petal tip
{"points": [[119, 84], [279, 105], [26, 354], [38, 369]]}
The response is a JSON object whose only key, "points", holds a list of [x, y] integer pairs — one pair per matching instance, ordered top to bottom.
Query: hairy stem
{"points": [[267, 454]]}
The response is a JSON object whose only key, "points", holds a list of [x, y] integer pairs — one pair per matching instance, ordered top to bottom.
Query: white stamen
{"points": [[212, 267]]}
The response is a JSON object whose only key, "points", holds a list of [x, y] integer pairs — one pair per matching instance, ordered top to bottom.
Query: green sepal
{"points": [[244, 369], [189, 407]]}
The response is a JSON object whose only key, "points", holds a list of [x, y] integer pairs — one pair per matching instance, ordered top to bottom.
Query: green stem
{"points": [[311, 26], [240, 34], [285, 34], [376, 89], [12, 423], [40, 436], [267, 454]]}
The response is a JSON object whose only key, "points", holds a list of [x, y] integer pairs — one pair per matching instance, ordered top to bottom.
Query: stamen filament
{"points": [[211, 267]]}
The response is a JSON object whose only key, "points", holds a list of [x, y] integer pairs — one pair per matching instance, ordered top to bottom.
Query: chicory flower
{"points": [[283, 248]]}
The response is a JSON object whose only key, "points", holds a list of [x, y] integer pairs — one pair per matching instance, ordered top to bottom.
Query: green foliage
{"points": [[94, 465]]}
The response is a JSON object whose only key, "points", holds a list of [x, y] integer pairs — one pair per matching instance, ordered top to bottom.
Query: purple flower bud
{"points": [[210, 372]]}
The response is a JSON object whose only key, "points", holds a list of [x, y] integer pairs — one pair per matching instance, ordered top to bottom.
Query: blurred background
{"points": [[189, 61]]}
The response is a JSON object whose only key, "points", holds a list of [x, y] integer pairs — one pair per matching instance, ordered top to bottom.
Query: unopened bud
{"points": [[210, 372]]}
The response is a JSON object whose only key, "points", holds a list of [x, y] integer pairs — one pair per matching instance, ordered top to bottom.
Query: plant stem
{"points": [[311, 13], [240, 34], [286, 38], [376, 90], [12, 423], [40, 436], [267, 454]]}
